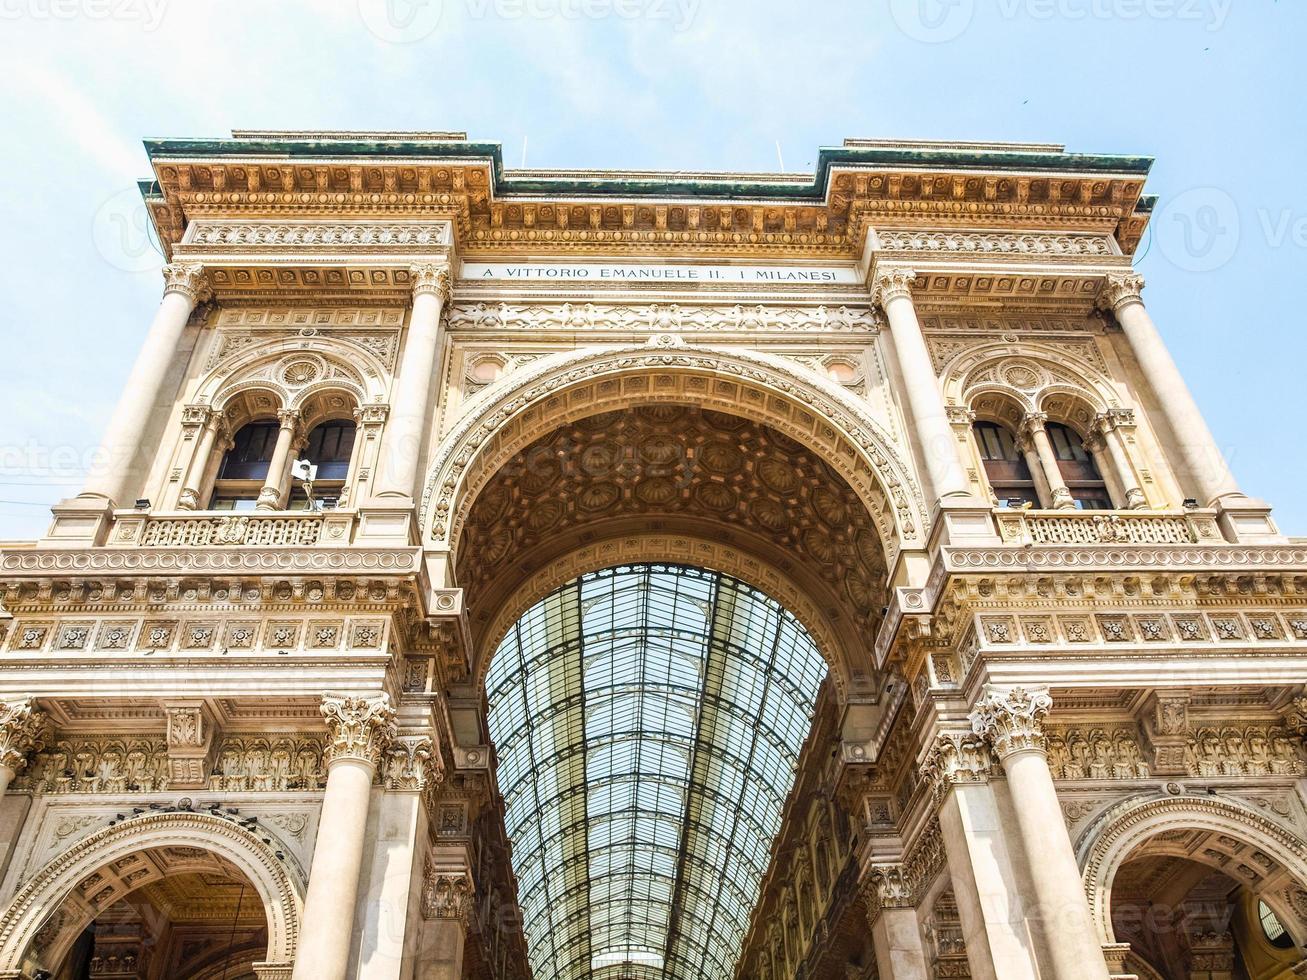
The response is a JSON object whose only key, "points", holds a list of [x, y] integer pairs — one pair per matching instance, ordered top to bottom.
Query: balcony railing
{"points": [[1060, 527], [280, 529]]}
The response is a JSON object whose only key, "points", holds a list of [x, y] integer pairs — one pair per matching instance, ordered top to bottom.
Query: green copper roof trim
{"points": [[660, 186]]}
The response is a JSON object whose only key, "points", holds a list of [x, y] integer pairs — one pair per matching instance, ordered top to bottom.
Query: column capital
{"points": [[432, 278], [188, 279], [892, 284], [1120, 290], [371, 414], [198, 415], [960, 415], [288, 418], [1114, 418], [1032, 421], [1295, 715], [1012, 719], [358, 728], [22, 732], [958, 758], [412, 764], [886, 886], [446, 893]]}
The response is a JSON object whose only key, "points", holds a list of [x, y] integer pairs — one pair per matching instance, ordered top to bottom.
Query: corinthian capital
{"points": [[186, 278], [432, 278], [892, 284], [1120, 290], [1012, 719], [358, 728], [22, 731], [958, 757], [412, 763], [887, 887], [446, 893]]}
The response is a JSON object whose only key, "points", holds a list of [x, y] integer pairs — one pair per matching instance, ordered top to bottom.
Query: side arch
{"points": [[294, 368], [1031, 374], [528, 403], [1108, 842], [41, 904]]}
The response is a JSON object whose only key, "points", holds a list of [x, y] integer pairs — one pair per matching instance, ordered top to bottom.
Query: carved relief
{"points": [[659, 318], [359, 728], [1097, 753], [99, 764], [258, 764]]}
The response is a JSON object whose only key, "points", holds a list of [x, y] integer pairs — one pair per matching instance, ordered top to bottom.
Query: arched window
{"points": [[330, 447], [1005, 465], [244, 467], [1079, 471]]}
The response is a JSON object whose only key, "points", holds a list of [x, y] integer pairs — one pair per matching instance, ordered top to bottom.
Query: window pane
{"points": [[250, 453]]}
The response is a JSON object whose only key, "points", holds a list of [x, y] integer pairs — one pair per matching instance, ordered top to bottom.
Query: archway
{"points": [[559, 390], [647, 719], [130, 871], [1197, 880]]}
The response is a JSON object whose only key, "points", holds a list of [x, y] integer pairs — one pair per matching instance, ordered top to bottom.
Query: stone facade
{"points": [[918, 400]]}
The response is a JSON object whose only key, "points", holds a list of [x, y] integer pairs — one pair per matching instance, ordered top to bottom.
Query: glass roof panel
{"points": [[647, 721]]}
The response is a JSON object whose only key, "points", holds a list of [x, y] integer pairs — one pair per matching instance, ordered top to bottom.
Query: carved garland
{"points": [[450, 491]]}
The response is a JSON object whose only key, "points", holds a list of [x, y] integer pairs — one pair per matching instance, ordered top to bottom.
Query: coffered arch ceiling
{"points": [[680, 469]]}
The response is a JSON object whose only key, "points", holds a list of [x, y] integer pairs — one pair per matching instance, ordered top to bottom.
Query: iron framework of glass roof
{"points": [[647, 721]]}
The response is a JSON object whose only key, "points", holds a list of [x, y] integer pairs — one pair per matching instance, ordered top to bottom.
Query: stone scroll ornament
{"points": [[22, 731]]}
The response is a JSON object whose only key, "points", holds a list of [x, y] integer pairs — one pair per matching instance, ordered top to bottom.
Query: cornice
{"points": [[824, 214]]}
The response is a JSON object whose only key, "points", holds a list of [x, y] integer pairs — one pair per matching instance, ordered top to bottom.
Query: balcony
{"points": [[1063, 527], [249, 529]]}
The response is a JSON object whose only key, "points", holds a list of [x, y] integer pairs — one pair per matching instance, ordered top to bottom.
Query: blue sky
{"points": [[1212, 88]]}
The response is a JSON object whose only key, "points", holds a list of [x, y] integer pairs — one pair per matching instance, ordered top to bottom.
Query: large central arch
{"points": [[767, 389]]}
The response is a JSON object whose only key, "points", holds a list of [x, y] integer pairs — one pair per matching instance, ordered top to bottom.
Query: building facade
{"points": [[506, 574]]}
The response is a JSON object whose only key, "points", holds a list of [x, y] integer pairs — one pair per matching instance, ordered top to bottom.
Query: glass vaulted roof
{"points": [[647, 720]]}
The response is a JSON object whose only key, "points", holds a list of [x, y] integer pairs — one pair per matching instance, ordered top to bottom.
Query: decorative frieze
{"points": [[368, 236], [996, 243], [663, 317], [1087, 527], [230, 530], [359, 728], [1254, 750], [1098, 753], [99, 764], [259, 764], [887, 887]]}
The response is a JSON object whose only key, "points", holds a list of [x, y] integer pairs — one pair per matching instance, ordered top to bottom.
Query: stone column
{"points": [[185, 286], [893, 291], [411, 404], [211, 424], [1108, 428], [1034, 429], [1212, 479], [276, 485], [1012, 721], [359, 730], [22, 732], [447, 900], [895, 933], [999, 944]]}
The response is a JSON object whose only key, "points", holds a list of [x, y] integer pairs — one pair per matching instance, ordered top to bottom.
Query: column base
{"points": [[79, 522]]}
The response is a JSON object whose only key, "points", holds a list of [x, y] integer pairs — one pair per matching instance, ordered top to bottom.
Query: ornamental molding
{"points": [[213, 234], [1043, 244], [665, 317], [744, 381], [237, 559], [1268, 559], [1012, 719], [23, 729], [359, 729], [412, 763], [269, 764], [100, 765], [40, 906]]}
